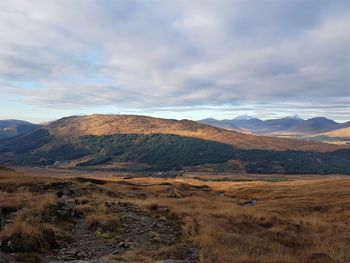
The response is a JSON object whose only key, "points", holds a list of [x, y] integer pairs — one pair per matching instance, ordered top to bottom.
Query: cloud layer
{"points": [[161, 55]]}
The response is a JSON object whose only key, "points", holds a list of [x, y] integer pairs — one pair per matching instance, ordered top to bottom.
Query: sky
{"points": [[174, 59]]}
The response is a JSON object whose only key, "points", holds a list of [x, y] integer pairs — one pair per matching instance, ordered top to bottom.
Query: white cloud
{"points": [[155, 54]]}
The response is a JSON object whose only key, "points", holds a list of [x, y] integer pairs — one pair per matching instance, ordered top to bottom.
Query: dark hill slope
{"points": [[11, 128], [169, 152]]}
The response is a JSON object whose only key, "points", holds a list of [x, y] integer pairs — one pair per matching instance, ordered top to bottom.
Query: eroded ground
{"points": [[71, 216]]}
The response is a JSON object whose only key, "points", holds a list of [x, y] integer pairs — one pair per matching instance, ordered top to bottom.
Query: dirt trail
{"points": [[139, 230], [85, 246]]}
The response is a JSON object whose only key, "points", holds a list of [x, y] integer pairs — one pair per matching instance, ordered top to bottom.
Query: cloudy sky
{"points": [[176, 59]]}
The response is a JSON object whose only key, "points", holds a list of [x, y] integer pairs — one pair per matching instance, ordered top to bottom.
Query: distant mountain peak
{"points": [[244, 117], [293, 117], [207, 119], [321, 119]]}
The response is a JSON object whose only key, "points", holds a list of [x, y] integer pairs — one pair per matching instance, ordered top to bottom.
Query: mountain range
{"points": [[288, 125], [166, 144]]}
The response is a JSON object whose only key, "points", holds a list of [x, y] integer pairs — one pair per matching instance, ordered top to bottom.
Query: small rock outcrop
{"points": [[249, 202]]}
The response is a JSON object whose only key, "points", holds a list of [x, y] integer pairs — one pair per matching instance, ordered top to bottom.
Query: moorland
{"points": [[59, 215]]}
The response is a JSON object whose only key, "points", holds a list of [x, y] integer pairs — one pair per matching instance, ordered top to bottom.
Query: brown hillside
{"points": [[71, 128], [345, 133]]}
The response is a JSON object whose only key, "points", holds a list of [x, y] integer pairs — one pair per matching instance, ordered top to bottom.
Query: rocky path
{"points": [[138, 230], [85, 246]]}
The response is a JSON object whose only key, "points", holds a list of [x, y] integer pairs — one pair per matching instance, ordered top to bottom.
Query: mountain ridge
{"points": [[287, 125]]}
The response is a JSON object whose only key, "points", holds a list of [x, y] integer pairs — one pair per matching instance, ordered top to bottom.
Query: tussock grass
{"points": [[12, 202], [103, 222], [27, 229], [29, 232], [24, 237]]}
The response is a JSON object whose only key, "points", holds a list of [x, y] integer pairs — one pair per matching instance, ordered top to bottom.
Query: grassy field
{"points": [[148, 219]]}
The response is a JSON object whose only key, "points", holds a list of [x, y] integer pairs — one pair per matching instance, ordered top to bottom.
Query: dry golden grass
{"points": [[344, 132], [302, 220], [297, 221], [102, 222], [28, 231], [27, 237]]}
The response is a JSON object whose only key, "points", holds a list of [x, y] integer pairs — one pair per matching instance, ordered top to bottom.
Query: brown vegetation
{"points": [[344, 133], [300, 220], [294, 221], [102, 222], [28, 231], [24, 236]]}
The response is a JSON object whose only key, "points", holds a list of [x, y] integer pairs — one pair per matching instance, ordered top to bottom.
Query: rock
{"points": [[249, 202], [155, 225], [8, 245], [124, 245], [116, 252], [80, 254]]}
